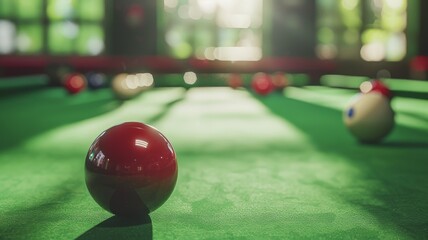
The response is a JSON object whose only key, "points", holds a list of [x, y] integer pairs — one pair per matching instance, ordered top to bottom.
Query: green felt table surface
{"points": [[276, 167]]}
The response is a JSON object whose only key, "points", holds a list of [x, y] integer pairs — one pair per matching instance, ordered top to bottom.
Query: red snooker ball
{"points": [[235, 80], [279, 81], [75, 83], [262, 84], [376, 86], [379, 86], [131, 169]]}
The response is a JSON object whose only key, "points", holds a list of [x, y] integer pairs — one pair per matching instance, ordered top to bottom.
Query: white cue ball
{"points": [[125, 86], [369, 117]]}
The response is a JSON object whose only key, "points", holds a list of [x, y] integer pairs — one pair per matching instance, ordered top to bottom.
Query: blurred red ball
{"points": [[235, 80], [279, 81], [75, 83], [262, 84], [379, 86]]}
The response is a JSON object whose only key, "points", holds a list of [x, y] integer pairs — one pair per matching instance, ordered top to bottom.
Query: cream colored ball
{"points": [[125, 86], [369, 117]]}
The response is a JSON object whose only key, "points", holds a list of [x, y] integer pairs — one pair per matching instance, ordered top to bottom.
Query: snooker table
{"points": [[250, 167]]}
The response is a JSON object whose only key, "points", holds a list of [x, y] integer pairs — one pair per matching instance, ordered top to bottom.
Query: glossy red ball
{"points": [[131, 169]]}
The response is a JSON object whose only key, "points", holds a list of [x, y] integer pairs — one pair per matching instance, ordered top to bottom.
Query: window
{"points": [[52, 27], [75, 27], [338, 28], [229, 30], [21, 31], [379, 36], [384, 38]]}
